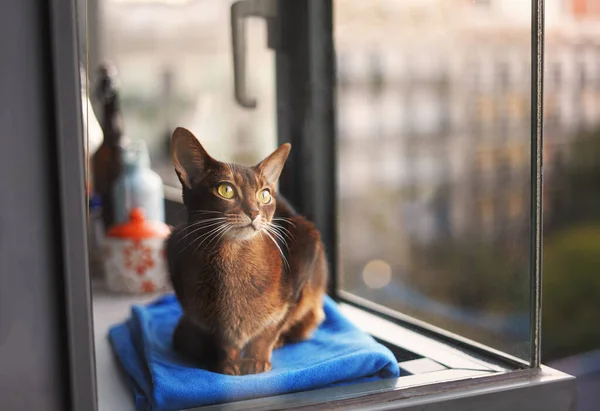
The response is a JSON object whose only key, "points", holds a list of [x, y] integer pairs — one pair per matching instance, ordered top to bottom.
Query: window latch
{"points": [[240, 10]]}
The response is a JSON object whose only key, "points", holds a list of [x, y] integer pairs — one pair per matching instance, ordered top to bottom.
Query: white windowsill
{"points": [[440, 364]]}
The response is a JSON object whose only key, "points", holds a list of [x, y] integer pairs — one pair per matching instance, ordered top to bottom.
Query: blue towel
{"points": [[337, 354]]}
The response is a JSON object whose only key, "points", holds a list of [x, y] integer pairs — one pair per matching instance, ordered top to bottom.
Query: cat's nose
{"points": [[253, 213]]}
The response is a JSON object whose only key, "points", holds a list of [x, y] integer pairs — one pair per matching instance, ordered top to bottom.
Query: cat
{"points": [[249, 272]]}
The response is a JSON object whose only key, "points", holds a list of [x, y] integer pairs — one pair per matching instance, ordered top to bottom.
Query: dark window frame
{"points": [[305, 84]]}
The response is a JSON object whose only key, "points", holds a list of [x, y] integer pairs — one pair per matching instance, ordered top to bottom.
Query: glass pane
{"points": [[434, 163], [571, 186]]}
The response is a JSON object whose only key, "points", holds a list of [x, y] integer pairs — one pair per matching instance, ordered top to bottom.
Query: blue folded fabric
{"points": [[337, 354]]}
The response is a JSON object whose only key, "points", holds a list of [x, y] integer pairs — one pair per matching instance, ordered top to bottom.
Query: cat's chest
{"points": [[245, 271], [237, 272], [237, 294]]}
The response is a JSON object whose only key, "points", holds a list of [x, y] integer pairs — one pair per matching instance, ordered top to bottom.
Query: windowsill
{"points": [[435, 371], [114, 392]]}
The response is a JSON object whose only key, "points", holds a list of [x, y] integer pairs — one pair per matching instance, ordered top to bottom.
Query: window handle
{"points": [[240, 10]]}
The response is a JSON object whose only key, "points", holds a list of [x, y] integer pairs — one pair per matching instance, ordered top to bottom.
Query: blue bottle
{"points": [[138, 186]]}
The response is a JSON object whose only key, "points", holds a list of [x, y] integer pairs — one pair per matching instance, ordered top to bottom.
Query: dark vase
{"points": [[107, 162]]}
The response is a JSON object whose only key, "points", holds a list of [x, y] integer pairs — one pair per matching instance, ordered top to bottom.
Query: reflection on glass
{"points": [[174, 63], [433, 157]]}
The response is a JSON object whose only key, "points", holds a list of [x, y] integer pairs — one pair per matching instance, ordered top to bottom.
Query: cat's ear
{"points": [[189, 157], [271, 167]]}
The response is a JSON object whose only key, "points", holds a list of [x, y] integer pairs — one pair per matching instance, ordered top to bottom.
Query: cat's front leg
{"points": [[192, 342], [257, 353], [232, 361]]}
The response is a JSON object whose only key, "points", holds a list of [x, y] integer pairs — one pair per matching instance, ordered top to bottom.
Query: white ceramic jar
{"points": [[135, 259]]}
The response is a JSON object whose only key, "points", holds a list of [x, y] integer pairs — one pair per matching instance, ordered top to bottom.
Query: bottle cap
{"points": [[138, 227]]}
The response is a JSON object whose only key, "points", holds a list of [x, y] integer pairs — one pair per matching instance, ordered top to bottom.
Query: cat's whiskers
{"points": [[206, 220], [285, 220], [203, 221], [207, 224], [215, 227], [282, 229], [273, 231], [223, 232], [213, 234], [196, 239], [277, 245]]}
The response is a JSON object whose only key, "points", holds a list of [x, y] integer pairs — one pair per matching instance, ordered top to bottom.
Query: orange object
{"points": [[580, 7], [138, 227], [134, 256]]}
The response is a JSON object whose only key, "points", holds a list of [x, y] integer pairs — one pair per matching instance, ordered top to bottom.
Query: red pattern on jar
{"points": [[138, 257], [148, 286]]}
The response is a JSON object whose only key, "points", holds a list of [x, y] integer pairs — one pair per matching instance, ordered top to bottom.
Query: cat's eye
{"points": [[225, 191], [264, 197]]}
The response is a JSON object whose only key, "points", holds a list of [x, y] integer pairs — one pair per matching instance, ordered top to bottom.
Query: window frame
{"points": [[60, 26], [306, 116], [553, 390], [497, 392]]}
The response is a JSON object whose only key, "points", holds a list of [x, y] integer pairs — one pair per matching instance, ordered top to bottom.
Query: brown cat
{"points": [[249, 272]]}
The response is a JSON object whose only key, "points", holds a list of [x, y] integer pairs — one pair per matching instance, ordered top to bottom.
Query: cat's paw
{"points": [[254, 366], [243, 367], [230, 368]]}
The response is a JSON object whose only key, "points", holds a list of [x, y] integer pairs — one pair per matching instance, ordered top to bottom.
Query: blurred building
{"points": [[434, 116]]}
